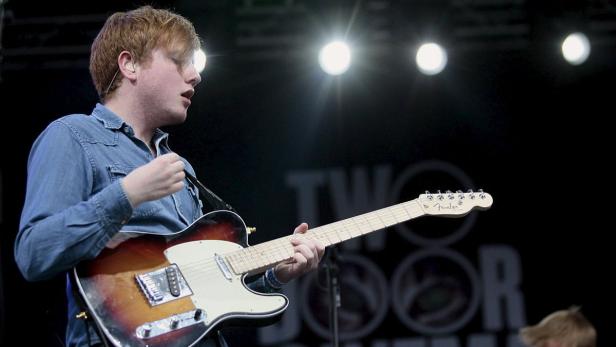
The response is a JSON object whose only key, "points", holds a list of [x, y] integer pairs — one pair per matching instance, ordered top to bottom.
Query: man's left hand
{"points": [[308, 253]]}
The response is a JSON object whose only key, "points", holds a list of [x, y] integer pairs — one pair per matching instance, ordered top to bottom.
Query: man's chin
{"points": [[177, 118]]}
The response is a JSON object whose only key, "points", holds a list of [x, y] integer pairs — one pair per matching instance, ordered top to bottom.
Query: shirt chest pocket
{"points": [[145, 209]]}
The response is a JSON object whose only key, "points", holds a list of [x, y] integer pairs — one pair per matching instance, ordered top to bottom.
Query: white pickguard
{"points": [[212, 291]]}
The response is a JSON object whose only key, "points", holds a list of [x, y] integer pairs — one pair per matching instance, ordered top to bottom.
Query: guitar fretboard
{"points": [[266, 254]]}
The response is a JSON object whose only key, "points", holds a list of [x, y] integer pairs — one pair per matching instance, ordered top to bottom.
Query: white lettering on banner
{"points": [[306, 184], [348, 197], [355, 197], [433, 270], [502, 276], [372, 287], [366, 293]]}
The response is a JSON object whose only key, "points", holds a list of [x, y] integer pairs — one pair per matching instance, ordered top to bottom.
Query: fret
{"points": [[413, 209], [391, 212], [404, 212], [398, 213], [387, 217], [376, 219], [372, 221], [363, 224], [351, 226], [350, 229], [342, 230], [332, 234], [319, 236], [323, 237], [285, 249], [266, 254], [253, 255], [230, 260], [239, 261]]}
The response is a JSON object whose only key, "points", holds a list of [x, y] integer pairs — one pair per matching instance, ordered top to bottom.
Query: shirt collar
{"points": [[109, 119], [112, 121]]}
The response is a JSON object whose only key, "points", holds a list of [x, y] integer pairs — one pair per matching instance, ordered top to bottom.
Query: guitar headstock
{"points": [[450, 204]]}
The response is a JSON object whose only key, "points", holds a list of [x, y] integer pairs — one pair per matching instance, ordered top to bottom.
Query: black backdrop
{"points": [[520, 123]]}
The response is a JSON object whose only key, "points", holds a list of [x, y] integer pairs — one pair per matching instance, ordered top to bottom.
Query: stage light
{"points": [[576, 48], [335, 58], [431, 58], [199, 59]]}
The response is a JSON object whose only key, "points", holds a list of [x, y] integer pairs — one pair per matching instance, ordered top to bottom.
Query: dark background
{"points": [[508, 110]]}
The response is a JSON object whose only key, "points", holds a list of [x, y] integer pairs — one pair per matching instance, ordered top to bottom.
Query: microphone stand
{"points": [[333, 286]]}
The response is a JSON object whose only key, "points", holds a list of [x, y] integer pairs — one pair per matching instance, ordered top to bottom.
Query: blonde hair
{"points": [[139, 31], [569, 327]]}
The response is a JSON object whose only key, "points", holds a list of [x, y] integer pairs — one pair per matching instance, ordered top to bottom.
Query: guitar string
{"points": [[335, 229], [274, 246], [273, 249], [201, 268]]}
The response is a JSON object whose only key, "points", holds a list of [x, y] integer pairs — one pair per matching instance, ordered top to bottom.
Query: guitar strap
{"points": [[215, 202]]}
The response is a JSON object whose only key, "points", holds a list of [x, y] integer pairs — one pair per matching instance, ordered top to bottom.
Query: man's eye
{"points": [[181, 62]]}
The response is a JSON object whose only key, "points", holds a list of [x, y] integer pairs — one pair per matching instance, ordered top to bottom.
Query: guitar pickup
{"points": [[172, 281], [163, 285]]}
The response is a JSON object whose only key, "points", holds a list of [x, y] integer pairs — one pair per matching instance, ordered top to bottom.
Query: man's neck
{"points": [[133, 116]]}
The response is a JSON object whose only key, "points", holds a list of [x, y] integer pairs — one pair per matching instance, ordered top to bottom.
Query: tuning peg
{"points": [[471, 193], [440, 195], [430, 197]]}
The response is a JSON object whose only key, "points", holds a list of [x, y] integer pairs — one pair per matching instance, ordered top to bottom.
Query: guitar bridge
{"points": [[163, 285]]}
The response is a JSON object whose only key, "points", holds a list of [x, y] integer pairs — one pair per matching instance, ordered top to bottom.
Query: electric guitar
{"points": [[153, 290]]}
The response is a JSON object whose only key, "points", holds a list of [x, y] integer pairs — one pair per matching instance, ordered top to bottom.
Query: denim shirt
{"points": [[75, 203]]}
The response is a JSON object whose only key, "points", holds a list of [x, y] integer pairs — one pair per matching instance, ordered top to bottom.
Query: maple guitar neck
{"points": [[264, 255]]}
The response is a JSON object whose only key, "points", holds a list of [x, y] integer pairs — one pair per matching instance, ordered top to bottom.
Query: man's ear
{"points": [[126, 64]]}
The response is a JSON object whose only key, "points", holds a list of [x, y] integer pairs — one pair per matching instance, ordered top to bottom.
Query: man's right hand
{"points": [[161, 177]]}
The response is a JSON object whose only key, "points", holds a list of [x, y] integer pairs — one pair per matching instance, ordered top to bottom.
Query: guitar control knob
{"points": [[198, 314], [174, 322], [147, 329]]}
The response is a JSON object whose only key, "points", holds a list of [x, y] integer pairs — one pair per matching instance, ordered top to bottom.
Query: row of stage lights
{"points": [[431, 58]]}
